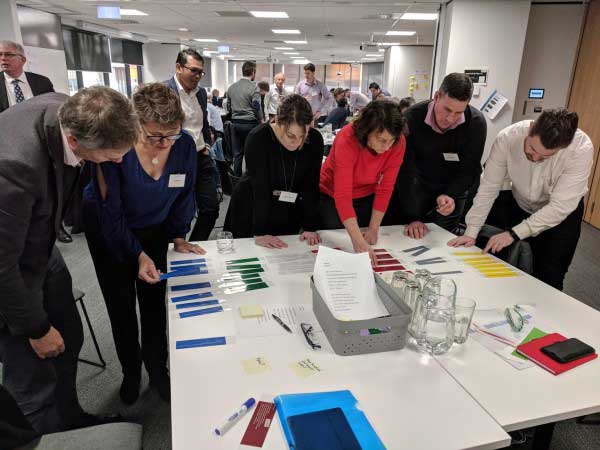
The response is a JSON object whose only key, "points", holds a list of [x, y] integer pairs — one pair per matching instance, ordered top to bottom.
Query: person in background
{"points": [[189, 70], [263, 88], [313, 90], [376, 90], [276, 94], [215, 97], [381, 97], [356, 100], [406, 103], [244, 104], [329, 106], [337, 116], [214, 119], [443, 158], [548, 162], [358, 176], [279, 194], [132, 211], [40, 328]]}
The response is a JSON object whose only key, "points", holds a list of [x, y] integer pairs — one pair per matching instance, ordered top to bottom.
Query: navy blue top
{"points": [[337, 117], [135, 200]]}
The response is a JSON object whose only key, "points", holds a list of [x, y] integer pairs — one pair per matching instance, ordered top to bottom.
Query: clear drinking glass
{"points": [[224, 242], [422, 276], [399, 281], [411, 293], [463, 313], [438, 326]]}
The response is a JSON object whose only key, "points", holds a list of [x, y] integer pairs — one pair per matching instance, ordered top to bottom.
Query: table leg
{"points": [[543, 437]]}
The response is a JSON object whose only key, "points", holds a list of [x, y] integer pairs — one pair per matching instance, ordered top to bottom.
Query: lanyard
{"points": [[288, 189]]}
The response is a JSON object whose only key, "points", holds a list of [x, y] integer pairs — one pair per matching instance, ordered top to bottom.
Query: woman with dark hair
{"points": [[358, 176], [279, 194], [132, 211]]}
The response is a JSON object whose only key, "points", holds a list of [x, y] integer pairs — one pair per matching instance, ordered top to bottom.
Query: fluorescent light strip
{"points": [[132, 12], [270, 14], [419, 16], [279, 31], [400, 33], [206, 40], [295, 42], [389, 43], [284, 48], [291, 53], [373, 55], [297, 57], [300, 61]]}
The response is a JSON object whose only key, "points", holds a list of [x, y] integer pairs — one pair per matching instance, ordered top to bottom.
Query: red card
{"points": [[380, 250], [383, 256], [387, 262], [388, 268], [259, 425]]}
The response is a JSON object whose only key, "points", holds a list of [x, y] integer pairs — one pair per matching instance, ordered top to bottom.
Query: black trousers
{"points": [[239, 135], [206, 198], [415, 199], [330, 219], [552, 249], [119, 284], [45, 389]]}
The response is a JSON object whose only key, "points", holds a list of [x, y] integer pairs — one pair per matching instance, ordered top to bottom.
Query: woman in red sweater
{"points": [[358, 176]]}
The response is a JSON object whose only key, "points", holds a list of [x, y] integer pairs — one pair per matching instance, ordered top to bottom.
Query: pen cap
{"points": [[248, 403]]}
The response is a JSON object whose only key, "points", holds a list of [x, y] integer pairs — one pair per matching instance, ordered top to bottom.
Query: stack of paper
{"points": [[345, 282]]}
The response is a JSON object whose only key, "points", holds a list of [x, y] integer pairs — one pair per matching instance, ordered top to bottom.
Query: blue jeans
{"points": [[240, 133]]}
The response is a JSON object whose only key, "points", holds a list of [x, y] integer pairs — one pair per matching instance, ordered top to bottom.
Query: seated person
{"points": [[356, 100], [406, 103], [337, 116], [445, 141], [548, 162], [358, 176], [279, 194], [132, 211]]}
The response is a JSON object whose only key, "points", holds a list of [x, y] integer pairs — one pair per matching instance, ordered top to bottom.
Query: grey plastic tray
{"points": [[346, 337]]}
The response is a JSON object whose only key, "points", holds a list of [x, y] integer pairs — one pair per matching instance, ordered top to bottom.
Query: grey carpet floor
{"points": [[98, 389]]}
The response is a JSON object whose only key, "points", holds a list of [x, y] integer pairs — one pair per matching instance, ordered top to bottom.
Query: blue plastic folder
{"points": [[325, 421]]}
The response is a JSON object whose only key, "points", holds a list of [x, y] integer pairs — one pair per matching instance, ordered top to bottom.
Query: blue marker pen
{"points": [[233, 419]]}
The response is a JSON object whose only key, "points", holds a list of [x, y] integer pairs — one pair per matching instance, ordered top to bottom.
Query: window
{"points": [[263, 73], [292, 75], [338, 75], [92, 78], [118, 79], [135, 81], [73, 85]]}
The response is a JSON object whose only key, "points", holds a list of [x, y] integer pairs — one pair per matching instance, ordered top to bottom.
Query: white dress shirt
{"points": [[10, 88], [273, 99], [358, 101], [194, 117], [214, 117], [69, 157], [549, 190]]}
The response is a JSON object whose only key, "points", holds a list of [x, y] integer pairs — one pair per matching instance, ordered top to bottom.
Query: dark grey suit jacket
{"points": [[39, 85], [202, 99], [31, 198]]}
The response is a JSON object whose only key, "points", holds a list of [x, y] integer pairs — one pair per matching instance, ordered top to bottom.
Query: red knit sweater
{"points": [[353, 171]]}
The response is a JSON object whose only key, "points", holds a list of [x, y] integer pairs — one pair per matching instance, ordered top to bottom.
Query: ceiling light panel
{"points": [[270, 14], [419, 16], [281, 31], [400, 33]]}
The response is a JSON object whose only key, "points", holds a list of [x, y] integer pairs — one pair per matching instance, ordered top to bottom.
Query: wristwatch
{"points": [[513, 234]]}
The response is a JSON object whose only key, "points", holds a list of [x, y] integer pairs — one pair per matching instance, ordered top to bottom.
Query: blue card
{"points": [[187, 287]]}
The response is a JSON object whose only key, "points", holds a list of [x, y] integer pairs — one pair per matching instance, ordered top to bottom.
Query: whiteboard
{"points": [[51, 64]]}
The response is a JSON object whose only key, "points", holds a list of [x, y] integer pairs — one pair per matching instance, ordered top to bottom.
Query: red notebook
{"points": [[531, 350]]}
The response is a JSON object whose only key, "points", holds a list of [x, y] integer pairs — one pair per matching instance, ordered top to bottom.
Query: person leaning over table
{"points": [[548, 162], [358, 176], [279, 194], [132, 211]]}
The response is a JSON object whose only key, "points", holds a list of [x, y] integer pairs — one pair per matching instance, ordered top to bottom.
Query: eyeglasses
{"points": [[8, 55], [196, 72], [158, 139], [307, 330]]}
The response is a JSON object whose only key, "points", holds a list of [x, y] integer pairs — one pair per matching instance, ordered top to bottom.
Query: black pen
{"points": [[280, 322]]}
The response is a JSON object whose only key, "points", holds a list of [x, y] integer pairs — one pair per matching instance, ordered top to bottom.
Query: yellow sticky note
{"points": [[501, 274], [248, 311], [256, 365], [305, 368]]}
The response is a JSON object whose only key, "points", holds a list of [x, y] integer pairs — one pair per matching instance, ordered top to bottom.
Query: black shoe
{"points": [[76, 230], [63, 236], [163, 387], [130, 389], [91, 420]]}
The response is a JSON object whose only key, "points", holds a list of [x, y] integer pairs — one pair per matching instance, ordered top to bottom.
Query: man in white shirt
{"points": [[275, 95], [357, 100], [214, 117], [548, 162]]}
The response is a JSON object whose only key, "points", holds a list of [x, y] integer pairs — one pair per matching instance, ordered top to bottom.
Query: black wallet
{"points": [[567, 351]]}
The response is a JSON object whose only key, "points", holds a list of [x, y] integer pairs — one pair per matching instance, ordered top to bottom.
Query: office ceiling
{"points": [[334, 30]]}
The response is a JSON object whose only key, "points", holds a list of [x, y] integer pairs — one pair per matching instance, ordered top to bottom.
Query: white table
{"points": [[410, 400]]}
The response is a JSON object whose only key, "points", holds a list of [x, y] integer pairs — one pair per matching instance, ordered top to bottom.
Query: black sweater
{"points": [[425, 150], [266, 159]]}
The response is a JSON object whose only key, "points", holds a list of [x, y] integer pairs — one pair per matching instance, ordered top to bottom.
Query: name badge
{"points": [[451, 157], [177, 180], [289, 197]]}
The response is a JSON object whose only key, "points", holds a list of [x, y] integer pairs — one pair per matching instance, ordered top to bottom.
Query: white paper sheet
{"points": [[346, 283]]}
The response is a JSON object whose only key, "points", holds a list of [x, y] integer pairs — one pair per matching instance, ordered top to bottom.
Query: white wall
{"points": [[9, 22], [488, 34], [549, 56], [159, 61], [400, 62], [50, 63], [219, 69]]}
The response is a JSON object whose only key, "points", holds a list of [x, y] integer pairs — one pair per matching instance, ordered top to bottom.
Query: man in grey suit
{"points": [[40, 328]]}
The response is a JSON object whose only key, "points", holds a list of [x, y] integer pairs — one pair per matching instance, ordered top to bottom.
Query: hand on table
{"points": [[445, 205], [416, 230], [371, 235], [311, 237], [269, 241], [461, 241], [498, 241], [183, 246], [362, 246], [147, 270], [49, 345]]}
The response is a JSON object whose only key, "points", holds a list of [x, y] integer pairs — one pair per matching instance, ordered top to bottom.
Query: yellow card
{"points": [[467, 253], [478, 259], [490, 266], [501, 274], [248, 311], [256, 365], [305, 368]]}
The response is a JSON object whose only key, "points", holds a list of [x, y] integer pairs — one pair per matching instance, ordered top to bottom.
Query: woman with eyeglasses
{"points": [[358, 176], [279, 194], [132, 211]]}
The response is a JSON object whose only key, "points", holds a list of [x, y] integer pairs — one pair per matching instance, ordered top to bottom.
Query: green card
{"points": [[240, 261], [243, 266], [247, 271], [535, 333]]}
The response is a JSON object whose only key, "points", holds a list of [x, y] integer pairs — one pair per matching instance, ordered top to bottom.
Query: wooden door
{"points": [[585, 100]]}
